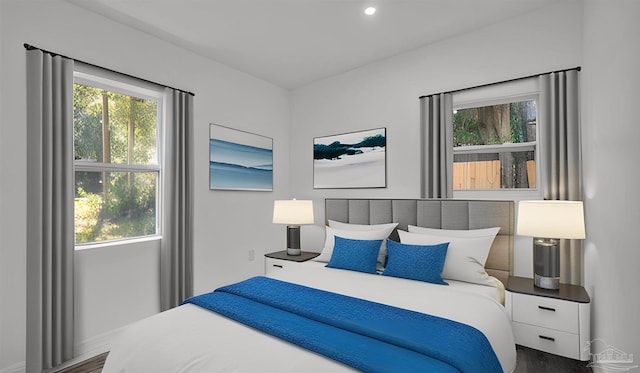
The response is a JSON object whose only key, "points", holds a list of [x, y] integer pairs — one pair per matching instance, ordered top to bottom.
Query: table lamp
{"points": [[293, 213], [547, 222]]}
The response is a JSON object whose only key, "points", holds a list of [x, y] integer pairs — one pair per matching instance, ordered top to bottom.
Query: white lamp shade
{"points": [[293, 212], [551, 219]]}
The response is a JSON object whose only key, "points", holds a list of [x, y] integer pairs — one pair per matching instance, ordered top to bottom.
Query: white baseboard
{"points": [[95, 345], [88, 348], [82, 351], [15, 368]]}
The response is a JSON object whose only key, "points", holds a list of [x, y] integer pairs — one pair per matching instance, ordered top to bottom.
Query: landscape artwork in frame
{"points": [[239, 160], [350, 160]]}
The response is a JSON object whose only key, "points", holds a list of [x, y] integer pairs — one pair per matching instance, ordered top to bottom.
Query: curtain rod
{"points": [[30, 47], [506, 81]]}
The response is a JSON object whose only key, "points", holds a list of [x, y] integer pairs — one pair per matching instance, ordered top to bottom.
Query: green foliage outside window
{"points": [[492, 125], [114, 203]]}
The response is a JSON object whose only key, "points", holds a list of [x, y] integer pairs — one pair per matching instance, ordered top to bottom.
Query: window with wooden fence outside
{"points": [[495, 146]]}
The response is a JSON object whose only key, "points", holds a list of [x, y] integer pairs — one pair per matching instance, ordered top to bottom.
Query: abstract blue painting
{"points": [[239, 160], [351, 160]]}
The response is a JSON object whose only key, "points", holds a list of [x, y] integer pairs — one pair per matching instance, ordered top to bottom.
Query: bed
{"points": [[191, 338]]}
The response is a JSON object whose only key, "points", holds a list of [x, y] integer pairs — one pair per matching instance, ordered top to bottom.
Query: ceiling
{"points": [[291, 43]]}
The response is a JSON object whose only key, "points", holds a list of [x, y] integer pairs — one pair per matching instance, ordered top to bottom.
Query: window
{"points": [[494, 146], [117, 167]]}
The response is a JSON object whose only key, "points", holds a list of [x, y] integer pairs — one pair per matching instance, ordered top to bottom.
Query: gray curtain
{"points": [[560, 136], [436, 146], [50, 187], [176, 256]]}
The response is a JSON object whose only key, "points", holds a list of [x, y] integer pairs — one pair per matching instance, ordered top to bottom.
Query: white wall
{"points": [[385, 94], [610, 136], [227, 224], [114, 285]]}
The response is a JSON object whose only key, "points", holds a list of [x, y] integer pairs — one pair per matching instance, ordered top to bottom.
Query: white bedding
{"points": [[192, 339]]}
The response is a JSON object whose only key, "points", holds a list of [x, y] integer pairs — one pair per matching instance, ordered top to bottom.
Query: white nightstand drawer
{"points": [[273, 265], [546, 312], [547, 340]]}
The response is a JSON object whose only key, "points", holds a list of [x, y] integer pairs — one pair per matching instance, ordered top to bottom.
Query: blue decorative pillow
{"points": [[355, 255], [416, 262]]}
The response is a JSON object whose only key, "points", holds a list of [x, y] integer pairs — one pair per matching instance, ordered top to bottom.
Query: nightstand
{"points": [[279, 260], [553, 321]]}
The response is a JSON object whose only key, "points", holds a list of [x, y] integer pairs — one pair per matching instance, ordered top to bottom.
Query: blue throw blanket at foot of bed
{"points": [[365, 335]]}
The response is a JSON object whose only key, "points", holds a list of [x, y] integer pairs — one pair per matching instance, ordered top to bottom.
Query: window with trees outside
{"points": [[494, 146], [117, 167]]}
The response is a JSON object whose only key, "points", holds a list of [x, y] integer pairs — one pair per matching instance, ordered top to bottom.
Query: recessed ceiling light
{"points": [[370, 11]]}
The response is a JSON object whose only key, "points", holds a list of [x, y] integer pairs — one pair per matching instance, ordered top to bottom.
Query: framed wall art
{"points": [[239, 160], [351, 160]]}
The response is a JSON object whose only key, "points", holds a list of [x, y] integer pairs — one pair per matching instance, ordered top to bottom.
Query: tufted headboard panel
{"points": [[436, 213]]}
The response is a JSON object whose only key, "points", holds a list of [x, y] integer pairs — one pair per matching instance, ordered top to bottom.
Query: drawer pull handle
{"points": [[278, 265], [547, 308], [547, 338]]}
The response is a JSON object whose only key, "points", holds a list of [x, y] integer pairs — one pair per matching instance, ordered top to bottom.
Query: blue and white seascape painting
{"points": [[239, 160], [351, 160]]}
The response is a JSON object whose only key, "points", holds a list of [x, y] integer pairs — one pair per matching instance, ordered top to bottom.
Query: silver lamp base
{"points": [[293, 240], [294, 251], [546, 263], [551, 283]]}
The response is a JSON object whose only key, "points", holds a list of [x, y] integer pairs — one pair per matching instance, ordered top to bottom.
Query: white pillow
{"points": [[466, 233], [327, 251], [382, 254], [465, 258]]}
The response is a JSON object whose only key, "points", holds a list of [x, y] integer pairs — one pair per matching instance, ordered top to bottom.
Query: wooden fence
{"points": [[485, 175]]}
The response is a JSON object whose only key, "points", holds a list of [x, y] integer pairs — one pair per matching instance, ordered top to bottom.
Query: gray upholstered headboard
{"points": [[436, 213]]}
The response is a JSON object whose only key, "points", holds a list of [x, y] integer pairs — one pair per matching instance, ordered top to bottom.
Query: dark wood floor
{"points": [[529, 361], [533, 361], [92, 365]]}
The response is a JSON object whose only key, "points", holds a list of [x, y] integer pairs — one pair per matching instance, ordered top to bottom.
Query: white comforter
{"points": [[192, 339]]}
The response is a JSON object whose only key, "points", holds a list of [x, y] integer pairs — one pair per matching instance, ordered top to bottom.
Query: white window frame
{"points": [[113, 82], [496, 94]]}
